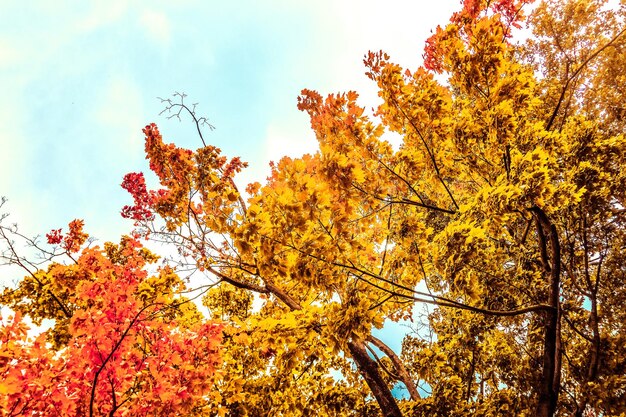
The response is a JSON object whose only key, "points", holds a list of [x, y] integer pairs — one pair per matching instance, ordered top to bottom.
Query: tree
{"points": [[505, 199], [502, 209], [122, 343]]}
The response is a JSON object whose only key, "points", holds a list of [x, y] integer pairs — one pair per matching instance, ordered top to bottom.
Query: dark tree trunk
{"points": [[369, 370], [550, 382]]}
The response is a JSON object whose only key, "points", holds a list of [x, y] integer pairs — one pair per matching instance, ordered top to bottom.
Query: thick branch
{"points": [[243, 285], [283, 296], [398, 365], [367, 367], [369, 370]]}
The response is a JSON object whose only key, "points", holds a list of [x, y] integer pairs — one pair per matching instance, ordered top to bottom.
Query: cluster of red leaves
{"points": [[471, 8], [508, 10], [511, 11], [433, 52], [375, 62], [209, 158], [171, 163], [234, 166], [179, 171], [135, 184], [54, 237], [73, 240], [123, 357]]}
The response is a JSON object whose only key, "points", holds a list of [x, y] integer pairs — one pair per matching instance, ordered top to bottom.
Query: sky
{"points": [[80, 79]]}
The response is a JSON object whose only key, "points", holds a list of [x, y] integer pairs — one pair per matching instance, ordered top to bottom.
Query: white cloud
{"points": [[101, 13], [157, 27], [343, 33], [9, 54], [120, 110], [120, 114], [281, 139], [285, 140], [16, 155]]}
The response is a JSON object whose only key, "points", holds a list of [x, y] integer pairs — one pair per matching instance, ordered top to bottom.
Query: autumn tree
{"points": [[504, 201], [502, 209], [122, 342]]}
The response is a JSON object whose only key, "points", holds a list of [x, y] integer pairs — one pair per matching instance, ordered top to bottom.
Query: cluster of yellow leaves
{"points": [[503, 204]]}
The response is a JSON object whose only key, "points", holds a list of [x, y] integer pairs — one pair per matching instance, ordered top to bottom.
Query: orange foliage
{"points": [[128, 354]]}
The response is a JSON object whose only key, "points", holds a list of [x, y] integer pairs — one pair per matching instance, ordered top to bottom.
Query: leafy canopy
{"points": [[497, 225]]}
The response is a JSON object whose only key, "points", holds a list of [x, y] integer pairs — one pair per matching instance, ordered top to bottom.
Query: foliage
{"points": [[503, 206], [502, 210], [122, 343]]}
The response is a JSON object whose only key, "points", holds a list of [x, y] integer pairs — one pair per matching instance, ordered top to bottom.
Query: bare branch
{"points": [[174, 109]]}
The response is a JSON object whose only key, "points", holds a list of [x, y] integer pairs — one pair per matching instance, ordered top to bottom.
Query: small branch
{"points": [[576, 73], [175, 109], [428, 150], [405, 200], [15, 259], [382, 262], [436, 300], [573, 327], [109, 356]]}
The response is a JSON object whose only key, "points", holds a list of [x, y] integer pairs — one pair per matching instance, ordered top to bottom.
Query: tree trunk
{"points": [[398, 366], [369, 370], [550, 382]]}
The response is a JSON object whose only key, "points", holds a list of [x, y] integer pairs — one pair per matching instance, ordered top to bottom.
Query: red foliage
{"points": [[508, 12], [433, 52], [337, 111], [171, 163], [135, 184], [54, 237], [75, 237], [73, 240], [127, 353]]}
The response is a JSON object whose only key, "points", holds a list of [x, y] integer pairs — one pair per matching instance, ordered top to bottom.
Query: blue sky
{"points": [[79, 80]]}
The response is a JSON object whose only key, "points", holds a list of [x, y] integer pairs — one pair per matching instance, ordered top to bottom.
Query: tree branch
{"points": [[576, 73], [397, 363]]}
